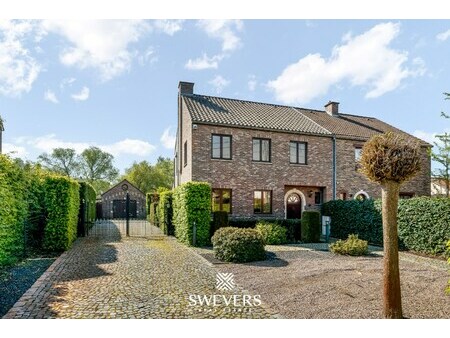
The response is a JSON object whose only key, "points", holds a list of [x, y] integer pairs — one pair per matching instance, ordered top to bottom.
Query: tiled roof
{"points": [[232, 112]]}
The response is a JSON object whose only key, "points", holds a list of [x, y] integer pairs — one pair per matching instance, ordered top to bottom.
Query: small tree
{"points": [[441, 155], [390, 159]]}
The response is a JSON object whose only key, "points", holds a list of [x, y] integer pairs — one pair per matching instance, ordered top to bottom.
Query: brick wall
{"points": [[243, 176], [117, 193]]}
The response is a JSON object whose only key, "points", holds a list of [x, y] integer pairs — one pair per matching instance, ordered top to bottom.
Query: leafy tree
{"points": [[2, 128], [441, 155], [389, 159], [64, 161], [97, 165], [151, 178]]}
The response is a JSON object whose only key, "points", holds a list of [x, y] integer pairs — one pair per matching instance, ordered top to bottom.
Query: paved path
{"points": [[117, 277]]}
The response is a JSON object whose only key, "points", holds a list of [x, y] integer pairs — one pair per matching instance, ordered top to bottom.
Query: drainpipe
{"points": [[334, 167]]}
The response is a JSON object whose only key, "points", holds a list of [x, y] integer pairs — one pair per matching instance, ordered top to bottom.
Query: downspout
{"points": [[334, 167]]}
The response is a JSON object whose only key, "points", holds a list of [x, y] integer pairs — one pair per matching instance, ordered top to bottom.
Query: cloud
{"points": [[170, 27], [224, 30], [443, 36], [99, 44], [149, 56], [365, 60], [204, 62], [18, 69], [66, 82], [219, 83], [252, 83], [50, 96], [81, 96], [430, 137], [167, 139], [49, 142], [129, 147], [14, 150]]}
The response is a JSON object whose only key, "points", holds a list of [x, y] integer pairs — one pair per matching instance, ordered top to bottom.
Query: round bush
{"points": [[272, 233], [238, 245], [352, 246]]}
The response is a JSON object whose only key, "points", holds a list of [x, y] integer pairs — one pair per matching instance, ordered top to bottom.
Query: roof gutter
{"points": [[334, 166]]}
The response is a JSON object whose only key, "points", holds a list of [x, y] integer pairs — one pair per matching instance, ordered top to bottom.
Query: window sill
{"points": [[221, 159], [261, 162], [298, 164]]}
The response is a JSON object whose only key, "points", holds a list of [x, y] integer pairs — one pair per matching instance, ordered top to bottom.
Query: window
{"points": [[221, 146], [261, 150], [297, 152], [185, 153], [357, 153], [406, 195], [343, 196], [361, 196], [317, 197], [221, 200], [262, 202]]}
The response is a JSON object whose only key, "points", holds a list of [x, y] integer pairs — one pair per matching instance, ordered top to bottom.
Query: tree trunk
{"points": [[391, 289]]}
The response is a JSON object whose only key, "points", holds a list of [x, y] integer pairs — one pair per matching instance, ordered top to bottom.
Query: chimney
{"points": [[186, 88], [332, 108]]}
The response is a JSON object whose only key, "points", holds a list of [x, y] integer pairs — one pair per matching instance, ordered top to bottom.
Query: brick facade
{"points": [[243, 176], [117, 193]]}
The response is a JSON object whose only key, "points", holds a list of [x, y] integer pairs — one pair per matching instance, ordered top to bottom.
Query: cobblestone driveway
{"points": [[127, 278]]}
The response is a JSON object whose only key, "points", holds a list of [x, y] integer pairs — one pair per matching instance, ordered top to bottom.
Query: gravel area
{"points": [[14, 281], [305, 281]]}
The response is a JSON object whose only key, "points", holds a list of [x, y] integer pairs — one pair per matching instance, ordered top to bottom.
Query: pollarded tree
{"points": [[390, 159]]}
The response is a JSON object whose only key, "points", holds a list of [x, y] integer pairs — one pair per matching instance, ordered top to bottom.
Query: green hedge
{"points": [[62, 203], [152, 203], [192, 204], [88, 210], [13, 211], [165, 212], [220, 220], [423, 222], [292, 225], [310, 227], [272, 233], [238, 245]]}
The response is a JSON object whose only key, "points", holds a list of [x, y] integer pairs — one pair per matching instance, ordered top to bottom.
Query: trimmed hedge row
{"points": [[62, 203], [192, 204], [13, 211], [165, 212], [423, 222], [292, 225], [310, 227]]}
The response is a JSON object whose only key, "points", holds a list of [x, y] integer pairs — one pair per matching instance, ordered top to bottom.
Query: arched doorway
{"points": [[293, 206]]}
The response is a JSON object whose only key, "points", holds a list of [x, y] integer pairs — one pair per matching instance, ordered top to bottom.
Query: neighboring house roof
{"points": [[240, 113], [120, 183]]}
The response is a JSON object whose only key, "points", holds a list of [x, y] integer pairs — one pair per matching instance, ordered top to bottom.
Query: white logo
{"points": [[225, 281]]}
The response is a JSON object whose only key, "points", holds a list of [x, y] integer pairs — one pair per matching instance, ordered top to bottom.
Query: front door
{"points": [[294, 207]]}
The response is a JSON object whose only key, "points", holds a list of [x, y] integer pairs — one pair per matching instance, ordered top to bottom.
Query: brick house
{"points": [[274, 161], [113, 201]]}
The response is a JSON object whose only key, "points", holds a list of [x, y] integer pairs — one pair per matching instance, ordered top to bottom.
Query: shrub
{"points": [[62, 202], [152, 202], [192, 204], [88, 210], [13, 211], [165, 212], [220, 220], [242, 222], [423, 222], [310, 227], [293, 229], [272, 233], [238, 245], [352, 246], [448, 261]]}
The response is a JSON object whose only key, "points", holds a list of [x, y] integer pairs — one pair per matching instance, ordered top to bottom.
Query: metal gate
{"points": [[127, 226]]}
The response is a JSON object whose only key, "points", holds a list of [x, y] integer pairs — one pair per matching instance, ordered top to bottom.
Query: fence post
{"points": [[127, 211], [194, 234]]}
